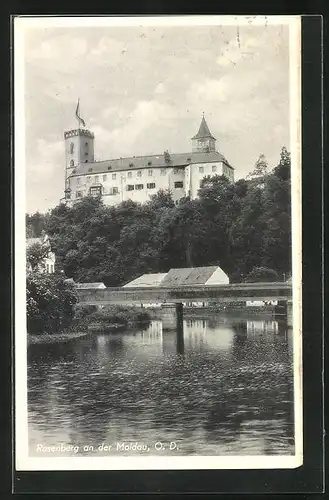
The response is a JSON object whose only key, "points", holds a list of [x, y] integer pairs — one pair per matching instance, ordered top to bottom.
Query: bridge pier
{"points": [[284, 311], [289, 313], [172, 320]]}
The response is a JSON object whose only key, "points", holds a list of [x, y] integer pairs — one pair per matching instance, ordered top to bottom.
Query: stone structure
{"points": [[139, 177]]}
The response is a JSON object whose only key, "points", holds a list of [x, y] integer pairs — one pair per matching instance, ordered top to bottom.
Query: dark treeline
{"points": [[239, 226]]}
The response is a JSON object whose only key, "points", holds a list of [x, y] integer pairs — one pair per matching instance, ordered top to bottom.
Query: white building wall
{"points": [[201, 170], [116, 185], [218, 278]]}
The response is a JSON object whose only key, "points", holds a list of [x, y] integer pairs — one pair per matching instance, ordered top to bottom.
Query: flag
{"points": [[77, 114]]}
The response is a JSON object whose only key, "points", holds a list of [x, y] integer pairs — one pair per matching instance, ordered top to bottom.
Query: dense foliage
{"points": [[35, 224], [238, 226], [35, 255], [50, 303], [111, 315]]}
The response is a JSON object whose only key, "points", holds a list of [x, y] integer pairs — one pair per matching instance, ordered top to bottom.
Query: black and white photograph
{"points": [[157, 242]]}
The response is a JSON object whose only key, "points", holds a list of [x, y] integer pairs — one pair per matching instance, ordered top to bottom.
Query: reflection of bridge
{"points": [[172, 298]]}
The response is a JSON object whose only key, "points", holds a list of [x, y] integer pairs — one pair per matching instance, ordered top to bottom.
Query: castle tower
{"points": [[203, 140], [79, 148]]}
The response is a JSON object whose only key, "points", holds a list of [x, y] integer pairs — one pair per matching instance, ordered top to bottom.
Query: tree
{"points": [[260, 169], [282, 170], [35, 224], [238, 226], [35, 255], [263, 274], [50, 303]]}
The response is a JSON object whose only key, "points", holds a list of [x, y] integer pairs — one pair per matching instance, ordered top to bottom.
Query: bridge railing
{"points": [[210, 293]]}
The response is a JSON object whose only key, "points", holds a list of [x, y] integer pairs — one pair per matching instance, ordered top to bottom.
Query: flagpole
{"points": [[78, 114]]}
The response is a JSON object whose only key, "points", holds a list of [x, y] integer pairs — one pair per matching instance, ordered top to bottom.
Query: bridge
{"points": [[206, 293], [172, 299]]}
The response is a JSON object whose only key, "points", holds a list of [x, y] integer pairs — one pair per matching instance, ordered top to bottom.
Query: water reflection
{"points": [[225, 387]]}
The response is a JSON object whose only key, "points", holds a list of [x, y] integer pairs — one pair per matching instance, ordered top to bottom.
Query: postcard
{"points": [[157, 242]]}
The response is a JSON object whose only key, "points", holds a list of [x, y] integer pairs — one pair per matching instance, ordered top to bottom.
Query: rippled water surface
{"points": [[227, 390]]}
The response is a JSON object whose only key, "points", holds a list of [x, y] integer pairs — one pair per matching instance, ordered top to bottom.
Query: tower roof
{"points": [[204, 131]]}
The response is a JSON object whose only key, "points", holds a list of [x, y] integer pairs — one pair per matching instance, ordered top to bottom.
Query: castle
{"points": [[139, 177]]}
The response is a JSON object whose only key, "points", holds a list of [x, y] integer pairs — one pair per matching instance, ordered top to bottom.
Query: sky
{"points": [[143, 89]]}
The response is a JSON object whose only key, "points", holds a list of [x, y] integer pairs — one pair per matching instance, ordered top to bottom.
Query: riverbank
{"points": [[46, 338]]}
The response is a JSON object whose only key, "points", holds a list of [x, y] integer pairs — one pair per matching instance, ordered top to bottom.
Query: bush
{"points": [[261, 274], [50, 303], [117, 314]]}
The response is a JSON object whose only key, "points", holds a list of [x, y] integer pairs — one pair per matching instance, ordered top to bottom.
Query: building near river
{"points": [[137, 178], [183, 277]]}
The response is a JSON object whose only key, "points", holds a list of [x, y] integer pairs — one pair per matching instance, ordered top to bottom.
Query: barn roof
{"points": [[188, 276], [146, 280]]}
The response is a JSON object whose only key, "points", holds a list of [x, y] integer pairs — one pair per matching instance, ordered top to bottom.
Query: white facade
{"points": [[138, 178]]}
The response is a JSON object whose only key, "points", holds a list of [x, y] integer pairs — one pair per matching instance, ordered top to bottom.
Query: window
{"points": [[86, 145], [71, 148], [86, 153], [188, 160], [86, 161], [72, 163], [149, 163], [131, 164], [109, 167], [214, 168], [90, 169], [201, 170], [73, 171], [163, 171], [176, 171], [150, 172], [139, 173], [130, 174], [114, 176], [104, 177], [88, 178], [97, 179], [78, 181], [178, 184], [151, 185], [130, 187], [138, 187], [115, 190], [95, 191], [78, 194]]}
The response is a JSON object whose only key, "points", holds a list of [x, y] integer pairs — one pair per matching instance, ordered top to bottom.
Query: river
{"points": [[227, 390]]}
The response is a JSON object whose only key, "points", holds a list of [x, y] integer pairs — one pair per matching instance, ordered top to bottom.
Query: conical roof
{"points": [[204, 131]]}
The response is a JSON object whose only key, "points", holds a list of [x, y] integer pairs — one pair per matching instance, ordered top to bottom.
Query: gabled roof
{"points": [[204, 131], [149, 161], [188, 276], [146, 280]]}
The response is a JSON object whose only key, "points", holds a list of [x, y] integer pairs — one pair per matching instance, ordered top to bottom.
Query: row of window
{"points": [[163, 171], [226, 171], [139, 187]]}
